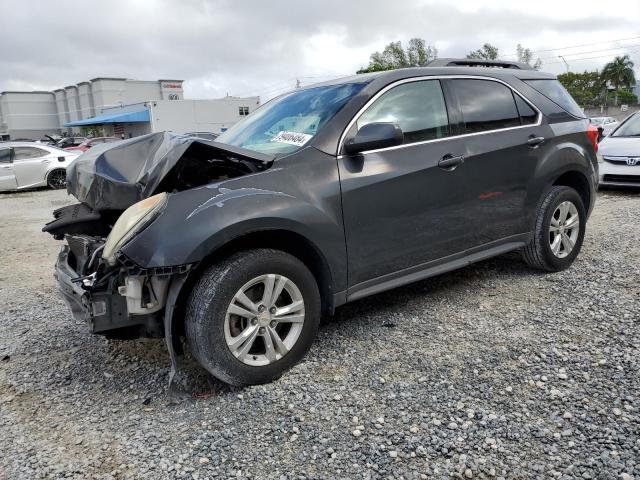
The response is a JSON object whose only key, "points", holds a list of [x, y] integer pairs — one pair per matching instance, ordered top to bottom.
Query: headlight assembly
{"points": [[132, 221]]}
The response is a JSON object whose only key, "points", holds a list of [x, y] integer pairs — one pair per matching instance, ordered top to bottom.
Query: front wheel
{"points": [[559, 230], [253, 316]]}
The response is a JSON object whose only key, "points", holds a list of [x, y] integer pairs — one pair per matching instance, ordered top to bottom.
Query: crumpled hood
{"points": [[620, 146], [116, 175]]}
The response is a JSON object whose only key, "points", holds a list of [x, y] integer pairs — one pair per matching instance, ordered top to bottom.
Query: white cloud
{"points": [[249, 47]]}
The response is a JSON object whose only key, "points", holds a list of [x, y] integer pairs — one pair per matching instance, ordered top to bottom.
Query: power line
{"points": [[574, 46], [593, 51], [591, 58]]}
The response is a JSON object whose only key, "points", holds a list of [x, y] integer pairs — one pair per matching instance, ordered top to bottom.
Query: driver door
{"points": [[30, 165], [7, 177], [402, 207]]}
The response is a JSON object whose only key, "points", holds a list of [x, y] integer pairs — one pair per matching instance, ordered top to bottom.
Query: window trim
{"points": [[453, 136]]}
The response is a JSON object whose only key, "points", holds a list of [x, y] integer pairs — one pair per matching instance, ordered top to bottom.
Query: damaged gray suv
{"points": [[322, 196]]}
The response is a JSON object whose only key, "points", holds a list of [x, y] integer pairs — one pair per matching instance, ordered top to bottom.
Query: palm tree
{"points": [[619, 73]]}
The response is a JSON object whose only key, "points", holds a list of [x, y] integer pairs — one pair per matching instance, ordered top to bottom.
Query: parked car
{"points": [[605, 125], [50, 139], [67, 142], [92, 142], [620, 155], [30, 164], [331, 193]]}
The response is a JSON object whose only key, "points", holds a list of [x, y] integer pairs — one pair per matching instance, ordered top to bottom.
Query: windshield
{"points": [[289, 122], [630, 128]]}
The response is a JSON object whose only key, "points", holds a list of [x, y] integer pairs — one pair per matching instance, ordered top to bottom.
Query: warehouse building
{"points": [[116, 106]]}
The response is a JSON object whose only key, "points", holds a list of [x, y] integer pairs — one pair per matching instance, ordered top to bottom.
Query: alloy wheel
{"points": [[58, 179], [564, 229], [264, 320]]}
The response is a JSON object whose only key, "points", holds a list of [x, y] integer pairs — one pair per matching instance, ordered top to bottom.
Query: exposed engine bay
{"points": [[118, 186]]}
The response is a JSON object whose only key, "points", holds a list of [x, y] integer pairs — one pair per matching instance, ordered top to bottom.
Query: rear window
{"points": [[554, 91]]}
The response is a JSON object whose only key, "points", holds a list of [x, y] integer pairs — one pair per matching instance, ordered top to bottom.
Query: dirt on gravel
{"points": [[492, 371]]}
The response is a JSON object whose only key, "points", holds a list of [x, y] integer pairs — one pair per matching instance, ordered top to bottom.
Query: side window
{"points": [[554, 91], [486, 105], [417, 107], [528, 115], [26, 153], [5, 155]]}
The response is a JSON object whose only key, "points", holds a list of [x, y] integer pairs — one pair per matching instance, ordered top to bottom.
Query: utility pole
{"points": [[565, 62]]}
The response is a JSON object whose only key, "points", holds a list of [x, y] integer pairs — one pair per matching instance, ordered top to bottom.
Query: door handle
{"points": [[534, 141], [450, 162]]}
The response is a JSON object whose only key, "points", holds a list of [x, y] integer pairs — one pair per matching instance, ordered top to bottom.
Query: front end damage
{"points": [[122, 189], [119, 301]]}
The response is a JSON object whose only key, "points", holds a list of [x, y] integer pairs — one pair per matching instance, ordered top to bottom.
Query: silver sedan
{"points": [[619, 155], [29, 165]]}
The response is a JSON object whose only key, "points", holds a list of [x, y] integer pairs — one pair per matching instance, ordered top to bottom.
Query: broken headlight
{"points": [[132, 220]]}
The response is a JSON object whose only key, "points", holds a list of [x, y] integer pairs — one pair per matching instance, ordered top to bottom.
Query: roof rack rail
{"points": [[477, 62]]}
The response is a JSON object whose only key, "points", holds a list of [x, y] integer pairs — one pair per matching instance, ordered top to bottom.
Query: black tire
{"points": [[57, 179], [538, 252], [211, 296]]}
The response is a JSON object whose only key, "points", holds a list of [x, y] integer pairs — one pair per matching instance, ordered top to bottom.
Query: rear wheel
{"points": [[57, 179], [559, 230], [253, 316]]}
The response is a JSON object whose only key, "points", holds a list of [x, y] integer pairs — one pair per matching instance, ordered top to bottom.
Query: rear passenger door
{"points": [[503, 141], [30, 165]]}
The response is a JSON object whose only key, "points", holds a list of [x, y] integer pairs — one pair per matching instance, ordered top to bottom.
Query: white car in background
{"points": [[605, 125], [619, 154], [30, 164]]}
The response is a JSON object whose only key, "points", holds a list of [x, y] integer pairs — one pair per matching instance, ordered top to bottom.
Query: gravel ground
{"points": [[491, 371]]}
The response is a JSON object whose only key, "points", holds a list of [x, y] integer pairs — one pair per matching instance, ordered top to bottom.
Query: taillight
{"points": [[593, 134]]}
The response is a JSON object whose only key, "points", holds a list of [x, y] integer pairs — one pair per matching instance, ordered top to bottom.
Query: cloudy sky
{"points": [[256, 47]]}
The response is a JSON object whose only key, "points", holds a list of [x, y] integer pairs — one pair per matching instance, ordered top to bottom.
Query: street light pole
{"points": [[565, 62]]}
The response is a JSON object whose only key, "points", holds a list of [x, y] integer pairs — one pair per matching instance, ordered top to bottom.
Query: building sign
{"points": [[171, 85]]}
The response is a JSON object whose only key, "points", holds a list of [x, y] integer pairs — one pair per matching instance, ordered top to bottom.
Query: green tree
{"points": [[487, 52], [417, 54], [525, 55], [619, 73], [586, 88]]}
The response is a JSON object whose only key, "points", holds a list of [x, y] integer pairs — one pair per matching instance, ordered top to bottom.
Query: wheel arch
{"points": [[579, 182], [287, 241]]}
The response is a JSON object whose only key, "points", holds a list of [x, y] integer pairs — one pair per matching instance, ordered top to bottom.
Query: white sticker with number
{"points": [[292, 138]]}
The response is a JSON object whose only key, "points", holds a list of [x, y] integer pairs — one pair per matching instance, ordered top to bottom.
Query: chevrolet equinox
{"points": [[324, 195]]}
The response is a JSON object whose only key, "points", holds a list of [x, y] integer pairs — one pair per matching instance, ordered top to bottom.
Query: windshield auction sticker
{"points": [[292, 138]]}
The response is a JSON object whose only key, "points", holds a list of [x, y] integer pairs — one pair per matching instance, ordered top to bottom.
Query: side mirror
{"points": [[373, 136]]}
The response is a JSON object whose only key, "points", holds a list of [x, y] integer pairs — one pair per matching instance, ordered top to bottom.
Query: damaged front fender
{"points": [[197, 222]]}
